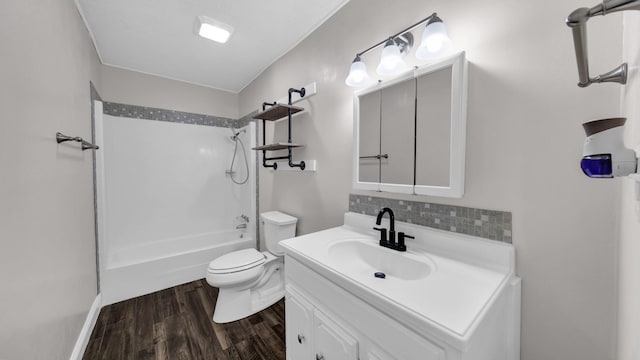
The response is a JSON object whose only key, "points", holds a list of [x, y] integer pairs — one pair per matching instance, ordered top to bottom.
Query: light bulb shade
{"points": [[435, 42], [391, 60], [358, 74]]}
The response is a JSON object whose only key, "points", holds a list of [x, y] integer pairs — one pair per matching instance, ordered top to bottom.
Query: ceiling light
{"points": [[212, 29], [435, 44]]}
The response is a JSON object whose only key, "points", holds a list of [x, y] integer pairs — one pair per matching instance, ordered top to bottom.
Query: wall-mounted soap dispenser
{"points": [[604, 154]]}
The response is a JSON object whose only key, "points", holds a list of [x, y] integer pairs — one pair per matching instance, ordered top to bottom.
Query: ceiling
{"points": [[157, 36]]}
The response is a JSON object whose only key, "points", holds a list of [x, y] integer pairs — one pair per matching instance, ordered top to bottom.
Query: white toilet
{"points": [[250, 280]]}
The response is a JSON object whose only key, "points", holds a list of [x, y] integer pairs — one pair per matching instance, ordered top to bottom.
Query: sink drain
{"points": [[380, 275]]}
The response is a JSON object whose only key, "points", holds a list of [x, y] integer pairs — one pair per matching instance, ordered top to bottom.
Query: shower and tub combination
{"points": [[171, 197]]}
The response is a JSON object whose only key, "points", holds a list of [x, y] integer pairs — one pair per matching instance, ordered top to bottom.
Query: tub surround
{"points": [[158, 114], [143, 186], [488, 224], [466, 307]]}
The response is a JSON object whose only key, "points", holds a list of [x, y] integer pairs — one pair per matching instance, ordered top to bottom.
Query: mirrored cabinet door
{"points": [[433, 128], [397, 135], [369, 147]]}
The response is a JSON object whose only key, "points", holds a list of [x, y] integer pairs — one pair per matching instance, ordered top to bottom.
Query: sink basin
{"points": [[363, 258]]}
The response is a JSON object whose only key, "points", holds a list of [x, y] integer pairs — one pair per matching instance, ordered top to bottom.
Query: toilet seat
{"points": [[236, 261]]}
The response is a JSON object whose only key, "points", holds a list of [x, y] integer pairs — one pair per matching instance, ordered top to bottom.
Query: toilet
{"points": [[249, 280]]}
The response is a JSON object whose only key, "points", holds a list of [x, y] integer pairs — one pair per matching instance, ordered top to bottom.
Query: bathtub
{"points": [[138, 270]]}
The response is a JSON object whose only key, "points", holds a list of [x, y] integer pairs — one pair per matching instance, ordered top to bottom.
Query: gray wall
{"points": [[129, 87], [523, 148], [47, 253]]}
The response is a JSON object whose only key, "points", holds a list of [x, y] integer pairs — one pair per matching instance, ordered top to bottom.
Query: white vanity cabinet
{"points": [[465, 307], [325, 322]]}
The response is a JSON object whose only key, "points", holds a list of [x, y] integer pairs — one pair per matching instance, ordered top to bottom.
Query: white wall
{"points": [[130, 87], [523, 148], [47, 254], [629, 284]]}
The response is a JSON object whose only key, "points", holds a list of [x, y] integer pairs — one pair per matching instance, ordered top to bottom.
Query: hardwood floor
{"points": [[176, 324]]}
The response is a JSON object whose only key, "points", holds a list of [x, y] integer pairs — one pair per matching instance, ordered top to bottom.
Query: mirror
{"points": [[410, 131]]}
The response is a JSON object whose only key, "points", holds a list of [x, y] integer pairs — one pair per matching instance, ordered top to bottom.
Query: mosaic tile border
{"points": [[149, 113], [245, 120], [488, 224]]}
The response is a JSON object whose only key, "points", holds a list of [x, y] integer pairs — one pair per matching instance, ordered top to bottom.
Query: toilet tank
{"points": [[277, 226]]}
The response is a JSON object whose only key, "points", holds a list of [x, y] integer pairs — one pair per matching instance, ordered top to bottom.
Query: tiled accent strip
{"points": [[148, 113], [245, 120], [488, 224]]}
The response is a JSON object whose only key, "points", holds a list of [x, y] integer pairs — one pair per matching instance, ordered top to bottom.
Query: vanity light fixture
{"points": [[212, 29], [435, 40], [435, 44], [391, 61], [358, 74]]}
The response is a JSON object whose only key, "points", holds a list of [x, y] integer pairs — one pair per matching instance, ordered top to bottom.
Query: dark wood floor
{"points": [[176, 324]]}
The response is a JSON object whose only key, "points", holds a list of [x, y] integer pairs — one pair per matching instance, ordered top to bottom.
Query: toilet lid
{"points": [[237, 261]]}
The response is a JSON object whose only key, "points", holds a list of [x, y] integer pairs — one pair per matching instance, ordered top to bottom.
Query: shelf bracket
{"points": [[301, 92], [276, 112]]}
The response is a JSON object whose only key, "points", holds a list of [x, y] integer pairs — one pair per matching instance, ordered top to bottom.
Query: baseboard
{"points": [[87, 328]]}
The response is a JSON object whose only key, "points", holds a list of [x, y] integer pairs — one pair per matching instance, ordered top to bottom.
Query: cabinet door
{"points": [[433, 128], [397, 134], [369, 140], [298, 328], [331, 341]]}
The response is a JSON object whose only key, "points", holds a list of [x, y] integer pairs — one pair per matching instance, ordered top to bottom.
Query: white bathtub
{"points": [[133, 271]]}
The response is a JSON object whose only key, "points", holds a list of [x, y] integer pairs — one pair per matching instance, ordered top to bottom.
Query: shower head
{"points": [[235, 133]]}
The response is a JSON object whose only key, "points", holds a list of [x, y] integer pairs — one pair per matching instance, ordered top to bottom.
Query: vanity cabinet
{"points": [[450, 297], [323, 321]]}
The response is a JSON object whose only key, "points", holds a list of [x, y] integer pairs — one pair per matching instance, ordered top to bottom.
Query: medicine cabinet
{"points": [[410, 132]]}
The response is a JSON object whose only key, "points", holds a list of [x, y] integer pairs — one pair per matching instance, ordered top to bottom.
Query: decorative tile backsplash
{"points": [[489, 224]]}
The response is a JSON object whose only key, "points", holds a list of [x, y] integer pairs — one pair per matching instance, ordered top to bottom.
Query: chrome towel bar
{"points": [[577, 21], [60, 138]]}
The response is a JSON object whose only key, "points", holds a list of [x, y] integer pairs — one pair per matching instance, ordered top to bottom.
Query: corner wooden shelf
{"points": [[277, 112], [276, 146]]}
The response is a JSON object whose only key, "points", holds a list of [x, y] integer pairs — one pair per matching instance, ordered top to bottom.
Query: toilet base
{"points": [[234, 304]]}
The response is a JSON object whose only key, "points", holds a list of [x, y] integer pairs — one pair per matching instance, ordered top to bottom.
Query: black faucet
{"points": [[391, 241]]}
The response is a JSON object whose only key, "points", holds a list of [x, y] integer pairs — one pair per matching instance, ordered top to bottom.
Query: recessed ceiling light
{"points": [[212, 29]]}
